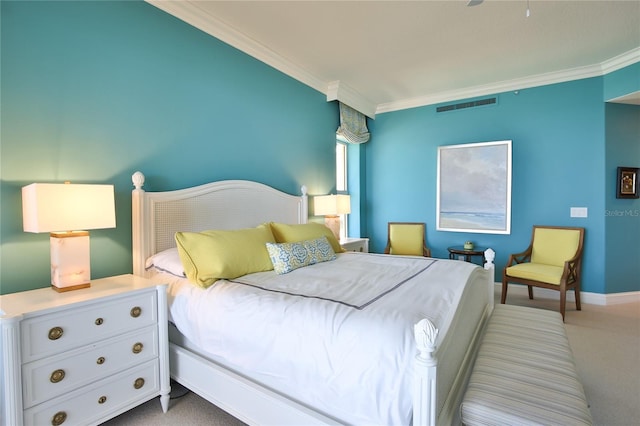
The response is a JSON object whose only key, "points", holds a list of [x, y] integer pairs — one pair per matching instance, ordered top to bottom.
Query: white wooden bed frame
{"points": [[235, 204]]}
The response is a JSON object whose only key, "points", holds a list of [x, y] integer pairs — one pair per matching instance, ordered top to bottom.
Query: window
{"points": [[341, 167], [341, 181]]}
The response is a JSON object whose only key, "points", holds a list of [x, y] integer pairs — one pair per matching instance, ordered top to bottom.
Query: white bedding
{"points": [[345, 352]]}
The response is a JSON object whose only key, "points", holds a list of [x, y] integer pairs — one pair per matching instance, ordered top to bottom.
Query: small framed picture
{"points": [[627, 182]]}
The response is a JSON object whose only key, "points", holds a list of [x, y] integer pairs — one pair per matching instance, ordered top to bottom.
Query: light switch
{"points": [[579, 212]]}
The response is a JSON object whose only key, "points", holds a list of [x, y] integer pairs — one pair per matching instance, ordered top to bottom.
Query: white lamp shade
{"points": [[331, 205], [51, 207]]}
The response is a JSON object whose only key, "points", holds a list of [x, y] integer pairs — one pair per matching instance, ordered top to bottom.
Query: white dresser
{"points": [[84, 356]]}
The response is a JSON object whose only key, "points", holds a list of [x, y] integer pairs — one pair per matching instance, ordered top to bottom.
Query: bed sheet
{"points": [[344, 352]]}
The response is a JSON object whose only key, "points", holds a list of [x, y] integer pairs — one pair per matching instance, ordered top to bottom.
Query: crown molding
{"points": [[189, 12], [192, 14], [621, 61], [516, 84], [338, 91]]}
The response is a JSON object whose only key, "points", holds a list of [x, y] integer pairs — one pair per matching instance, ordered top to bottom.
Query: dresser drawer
{"points": [[66, 329], [47, 378], [93, 402]]}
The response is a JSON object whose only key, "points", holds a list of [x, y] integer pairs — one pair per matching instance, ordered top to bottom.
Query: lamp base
{"points": [[333, 223], [70, 260], [71, 287]]}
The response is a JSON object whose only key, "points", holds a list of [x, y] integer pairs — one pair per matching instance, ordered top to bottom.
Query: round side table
{"points": [[468, 254]]}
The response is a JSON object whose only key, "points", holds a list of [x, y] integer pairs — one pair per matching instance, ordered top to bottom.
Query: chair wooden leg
{"points": [[505, 285], [530, 292], [577, 292], [563, 302]]}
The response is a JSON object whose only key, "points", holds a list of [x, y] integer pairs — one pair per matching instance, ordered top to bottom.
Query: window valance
{"points": [[353, 126]]}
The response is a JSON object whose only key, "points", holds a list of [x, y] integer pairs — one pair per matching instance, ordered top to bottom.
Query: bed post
{"points": [[137, 211], [303, 215], [490, 267], [425, 333], [424, 387]]}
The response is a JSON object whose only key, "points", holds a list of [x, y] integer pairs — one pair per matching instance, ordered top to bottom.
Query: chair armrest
{"points": [[522, 257], [575, 258], [571, 270]]}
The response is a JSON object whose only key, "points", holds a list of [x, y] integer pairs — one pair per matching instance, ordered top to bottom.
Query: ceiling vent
{"points": [[464, 105]]}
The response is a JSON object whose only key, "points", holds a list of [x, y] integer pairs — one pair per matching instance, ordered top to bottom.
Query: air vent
{"points": [[463, 105]]}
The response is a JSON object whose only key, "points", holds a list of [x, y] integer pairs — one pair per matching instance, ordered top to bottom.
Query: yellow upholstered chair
{"points": [[407, 238], [552, 260]]}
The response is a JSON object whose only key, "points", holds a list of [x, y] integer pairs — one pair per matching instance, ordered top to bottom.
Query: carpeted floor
{"points": [[605, 341], [185, 409]]}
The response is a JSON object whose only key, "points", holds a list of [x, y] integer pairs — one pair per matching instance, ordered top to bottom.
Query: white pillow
{"points": [[167, 261]]}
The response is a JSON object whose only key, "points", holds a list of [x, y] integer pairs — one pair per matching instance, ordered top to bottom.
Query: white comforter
{"points": [[336, 335]]}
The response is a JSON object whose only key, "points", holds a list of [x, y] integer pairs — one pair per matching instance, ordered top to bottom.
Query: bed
{"points": [[397, 350]]}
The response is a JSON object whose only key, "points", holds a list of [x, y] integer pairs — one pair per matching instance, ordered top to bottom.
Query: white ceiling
{"points": [[380, 56]]}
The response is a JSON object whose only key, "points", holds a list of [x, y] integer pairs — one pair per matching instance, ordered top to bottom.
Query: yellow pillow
{"points": [[308, 231], [212, 255]]}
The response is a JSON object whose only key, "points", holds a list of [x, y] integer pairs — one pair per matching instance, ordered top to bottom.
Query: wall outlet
{"points": [[579, 212]]}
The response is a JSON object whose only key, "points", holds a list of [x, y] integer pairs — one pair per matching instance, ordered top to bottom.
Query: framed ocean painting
{"points": [[474, 188]]}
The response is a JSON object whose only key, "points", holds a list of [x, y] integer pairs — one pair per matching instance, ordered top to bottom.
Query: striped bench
{"points": [[524, 373]]}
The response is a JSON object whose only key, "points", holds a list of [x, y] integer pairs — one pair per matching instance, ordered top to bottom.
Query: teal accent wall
{"points": [[93, 91], [558, 134], [622, 216]]}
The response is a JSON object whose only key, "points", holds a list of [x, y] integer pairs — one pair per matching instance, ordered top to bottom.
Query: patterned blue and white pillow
{"points": [[289, 256]]}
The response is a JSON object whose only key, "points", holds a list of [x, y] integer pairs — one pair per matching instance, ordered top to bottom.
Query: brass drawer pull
{"points": [[136, 311], [99, 321], [55, 333], [137, 348], [100, 360], [57, 376], [138, 383], [102, 400], [58, 418]]}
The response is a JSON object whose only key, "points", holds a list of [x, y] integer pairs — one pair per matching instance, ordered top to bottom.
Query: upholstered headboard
{"points": [[229, 204]]}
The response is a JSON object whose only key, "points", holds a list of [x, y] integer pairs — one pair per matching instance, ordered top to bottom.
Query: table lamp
{"points": [[331, 206], [67, 211]]}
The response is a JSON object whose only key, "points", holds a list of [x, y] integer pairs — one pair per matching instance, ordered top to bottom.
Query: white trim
{"points": [[191, 13], [621, 61], [606, 67], [493, 88], [339, 91], [585, 297], [619, 298]]}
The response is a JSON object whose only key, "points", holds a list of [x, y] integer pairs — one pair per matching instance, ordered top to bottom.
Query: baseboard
{"points": [[586, 297]]}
